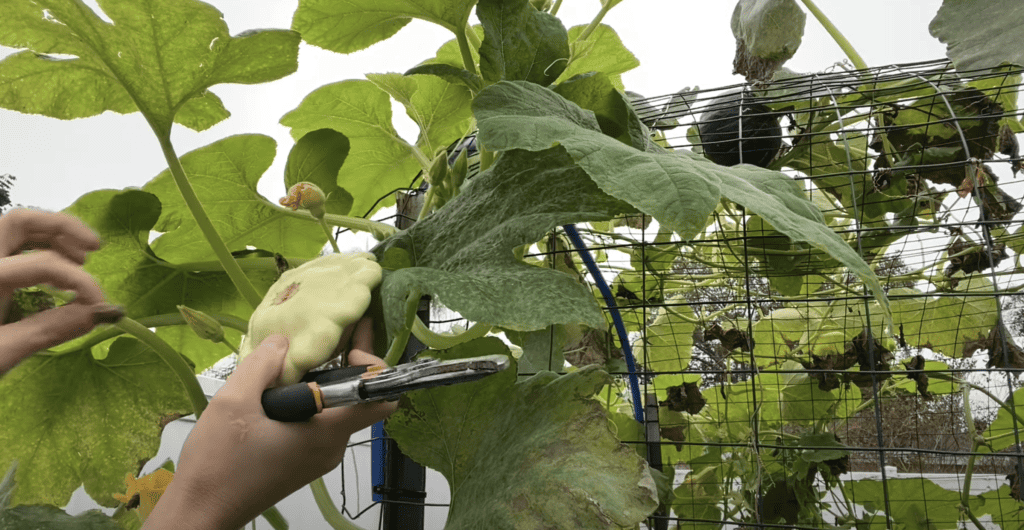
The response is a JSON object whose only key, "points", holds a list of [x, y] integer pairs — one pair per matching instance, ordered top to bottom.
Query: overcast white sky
{"points": [[679, 43]]}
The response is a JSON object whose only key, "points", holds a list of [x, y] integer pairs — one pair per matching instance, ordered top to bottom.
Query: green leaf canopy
{"points": [[345, 26], [980, 34], [521, 43], [158, 57], [379, 160], [225, 175], [679, 189], [463, 252], [131, 275], [71, 420], [540, 452]]}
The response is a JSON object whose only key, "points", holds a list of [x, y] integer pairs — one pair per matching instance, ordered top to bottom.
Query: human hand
{"points": [[63, 243], [236, 462]]}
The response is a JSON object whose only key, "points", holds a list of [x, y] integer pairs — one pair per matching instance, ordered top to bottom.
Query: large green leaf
{"points": [[352, 25], [980, 34], [521, 43], [603, 52], [158, 57], [596, 92], [440, 108], [517, 115], [316, 158], [379, 160], [224, 175], [679, 189], [463, 252], [132, 276], [954, 326], [669, 342], [542, 349], [71, 420], [1004, 425], [535, 454], [915, 503], [1006, 511], [44, 516]]}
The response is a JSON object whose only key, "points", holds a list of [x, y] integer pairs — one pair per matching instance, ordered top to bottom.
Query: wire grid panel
{"points": [[783, 399]]}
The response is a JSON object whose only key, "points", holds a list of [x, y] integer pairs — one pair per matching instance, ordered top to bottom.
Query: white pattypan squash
{"points": [[311, 305]]}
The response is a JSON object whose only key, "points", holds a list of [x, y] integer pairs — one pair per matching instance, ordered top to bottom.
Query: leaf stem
{"points": [[605, 8], [554, 9], [832, 30], [474, 40], [467, 56], [428, 203], [379, 230], [330, 236], [234, 272], [412, 304], [153, 321], [439, 341], [174, 360], [965, 493], [327, 507], [275, 518]]}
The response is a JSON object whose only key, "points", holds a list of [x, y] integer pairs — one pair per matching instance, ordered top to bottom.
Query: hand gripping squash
{"points": [[311, 305]]}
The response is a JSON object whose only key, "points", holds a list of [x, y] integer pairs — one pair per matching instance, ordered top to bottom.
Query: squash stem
{"points": [[605, 8], [832, 30], [474, 41], [467, 56], [378, 230], [330, 236], [238, 278], [438, 341], [394, 355], [172, 359], [965, 493], [327, 507], [274, 518]]}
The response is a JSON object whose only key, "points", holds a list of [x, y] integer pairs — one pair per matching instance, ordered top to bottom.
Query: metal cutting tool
{"points": [[362, 384]]}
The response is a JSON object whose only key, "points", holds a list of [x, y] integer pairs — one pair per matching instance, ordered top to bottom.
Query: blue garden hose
{"points": [[613, 309]]}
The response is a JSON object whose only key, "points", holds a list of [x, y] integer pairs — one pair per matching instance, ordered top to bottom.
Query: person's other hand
{"points": [[63, 243], [237, 462]]}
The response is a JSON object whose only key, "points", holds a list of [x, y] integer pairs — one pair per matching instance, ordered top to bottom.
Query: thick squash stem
{"points": [[832, 30], [234, 272], [439, 341], [394, 355], [327, 507]]}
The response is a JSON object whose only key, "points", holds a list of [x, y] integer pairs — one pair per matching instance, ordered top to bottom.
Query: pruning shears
{"points": [[363, 384]]}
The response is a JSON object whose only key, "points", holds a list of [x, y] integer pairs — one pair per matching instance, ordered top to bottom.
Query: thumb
{"points": [[260, 369]]}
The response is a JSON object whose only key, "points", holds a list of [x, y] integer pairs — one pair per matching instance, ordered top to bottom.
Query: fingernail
{"points": [[108, 314], [276, 341]]}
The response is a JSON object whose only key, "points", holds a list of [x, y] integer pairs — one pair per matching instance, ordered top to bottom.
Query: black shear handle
{"points": [[298, 402]]}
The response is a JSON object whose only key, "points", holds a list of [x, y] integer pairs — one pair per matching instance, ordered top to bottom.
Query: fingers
{"points": [[23, 228], [49, 267], [46, 329], [362, 345], [258, 370], [345, 421]]}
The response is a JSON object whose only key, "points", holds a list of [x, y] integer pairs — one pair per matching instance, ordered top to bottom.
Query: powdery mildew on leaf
{"points": [[538, 452]]}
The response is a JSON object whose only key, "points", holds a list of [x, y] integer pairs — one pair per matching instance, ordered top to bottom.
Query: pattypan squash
{"points": [[311, 305]]}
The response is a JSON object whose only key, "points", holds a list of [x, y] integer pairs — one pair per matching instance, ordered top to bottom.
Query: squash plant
{"points": [[559, 143]]}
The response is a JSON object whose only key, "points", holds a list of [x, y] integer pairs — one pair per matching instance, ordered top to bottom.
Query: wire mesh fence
{"points": [[779, 391], [781, 398]]}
